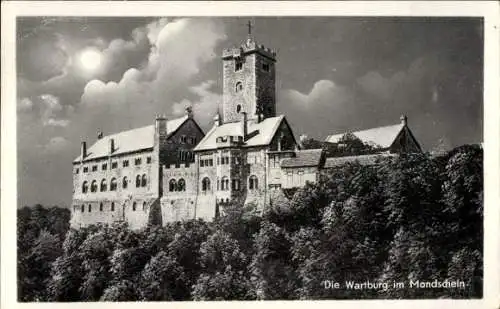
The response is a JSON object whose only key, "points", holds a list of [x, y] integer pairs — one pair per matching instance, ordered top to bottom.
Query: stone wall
{"points": [[179, 205]]}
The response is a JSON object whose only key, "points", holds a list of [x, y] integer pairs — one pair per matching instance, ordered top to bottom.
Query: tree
{"points": [[162, 279]]}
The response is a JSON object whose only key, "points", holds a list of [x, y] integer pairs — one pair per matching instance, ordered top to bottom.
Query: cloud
{"points": [[180, 50], [24, 105], [205, 107]]}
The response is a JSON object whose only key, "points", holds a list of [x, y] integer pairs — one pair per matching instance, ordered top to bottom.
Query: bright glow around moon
{"points": [[90, 59]]}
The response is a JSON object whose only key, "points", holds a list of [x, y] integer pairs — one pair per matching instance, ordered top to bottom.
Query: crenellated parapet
{"points": [[248, 48]]}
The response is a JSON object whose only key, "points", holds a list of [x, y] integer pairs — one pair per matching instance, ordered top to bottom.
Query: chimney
{"points": [[189, 111], [216, 120], [404, 120], [161, 124], [244, 125], [99, 134], [111, 145], [83, 151]]}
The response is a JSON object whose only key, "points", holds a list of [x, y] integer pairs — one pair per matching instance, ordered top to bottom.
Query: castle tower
{"points": [[249, 81]]}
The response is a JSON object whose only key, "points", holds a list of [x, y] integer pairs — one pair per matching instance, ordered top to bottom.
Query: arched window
{"points": [[239, 87], [238, 108], [144, 180], [138, 181], [125, 182], [253, 183], [205, 184], [224, 184], [104, 185], [112, 185], [172, 185], [181, 185], [93, 186], [85, 187], [113, 206], [134, 206], [144, 206], [100, 207], [83, 208], [90, 208]]}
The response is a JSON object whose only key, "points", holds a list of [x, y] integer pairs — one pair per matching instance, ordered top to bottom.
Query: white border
{"points": [[488, 9]]}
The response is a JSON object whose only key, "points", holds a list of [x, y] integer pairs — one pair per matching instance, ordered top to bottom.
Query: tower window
{"points": [[238, 65], [265, 67], [239, 87], [238, 108]]}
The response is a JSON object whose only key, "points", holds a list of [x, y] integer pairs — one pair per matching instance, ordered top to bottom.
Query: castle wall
{"points": [[123, 197], [179, 205]]}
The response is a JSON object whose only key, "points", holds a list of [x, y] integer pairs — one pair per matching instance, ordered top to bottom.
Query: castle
{"points": [[172, 171]]}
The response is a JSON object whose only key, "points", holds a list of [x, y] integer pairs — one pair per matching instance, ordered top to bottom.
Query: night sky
{"points": [[76, 76]]}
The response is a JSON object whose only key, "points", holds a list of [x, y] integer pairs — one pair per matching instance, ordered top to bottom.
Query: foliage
{"points": [[413, 217]]}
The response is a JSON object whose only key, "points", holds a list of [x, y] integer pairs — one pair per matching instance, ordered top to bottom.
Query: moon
{"points": [[90, 59]]}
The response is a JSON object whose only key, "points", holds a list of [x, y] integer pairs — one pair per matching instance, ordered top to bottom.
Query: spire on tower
{"points": [[249, 35]]}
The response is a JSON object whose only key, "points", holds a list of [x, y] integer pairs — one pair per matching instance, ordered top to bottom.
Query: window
{"points": [[238, 66], [265, 67], [239, 87], [238, 108], [183, 139], [148, 160], [137, 161], [211, 162], [125, 163], [202, 163], [114, 165], [104, 166], [94, 168], [85, 169], [77, 170], [144, 180], [138, 181], [124, 182], [253, 183], [205, 184], [218, 184], [235, 184], [104, 185], [112, 185], [172, 185], [181, 185], [224, 185], [93, 186], [85, 187], [113, 206], [134, 206], [144, 206], [100, 207], [83, 208], [90, 208]]}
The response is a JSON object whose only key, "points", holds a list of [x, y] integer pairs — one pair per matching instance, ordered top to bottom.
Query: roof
{"points": [[265, 131], [381, 136], [129, 141], [304, 158], [363, 160]]}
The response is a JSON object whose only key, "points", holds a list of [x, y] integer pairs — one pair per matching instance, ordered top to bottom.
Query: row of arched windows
{"points": [[140, 181], [223, 184], [101, 207]]}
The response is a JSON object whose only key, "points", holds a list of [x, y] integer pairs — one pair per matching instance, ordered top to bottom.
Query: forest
{"points": [[412, 217]]}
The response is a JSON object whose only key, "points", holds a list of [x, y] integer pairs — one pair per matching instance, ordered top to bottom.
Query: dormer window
{"points": [[238, 65], [239, 87]]}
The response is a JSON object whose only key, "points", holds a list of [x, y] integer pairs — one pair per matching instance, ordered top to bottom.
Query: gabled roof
{"points": [[260, 134], [381, 136], [130, 140], [304, 158], [363, 159]]}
